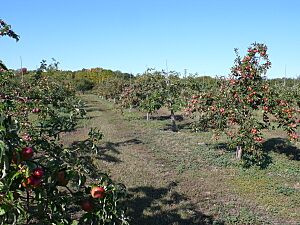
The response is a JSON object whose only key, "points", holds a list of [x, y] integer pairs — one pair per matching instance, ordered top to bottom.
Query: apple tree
{"points": [[147, 91], [243, 105], [43, 181]]}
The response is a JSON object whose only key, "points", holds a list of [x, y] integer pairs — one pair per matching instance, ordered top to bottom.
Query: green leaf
{"points": [[2, 66], [2, 211]]}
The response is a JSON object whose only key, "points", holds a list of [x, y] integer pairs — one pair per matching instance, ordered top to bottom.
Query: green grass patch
{"points": [[261, 195]]}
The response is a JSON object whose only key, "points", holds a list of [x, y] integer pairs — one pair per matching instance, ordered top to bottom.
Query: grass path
{"points": [[174, 178]]}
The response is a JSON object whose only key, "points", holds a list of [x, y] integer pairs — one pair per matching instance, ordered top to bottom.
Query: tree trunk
{"points": [[147, 116], [173, 121], [238, 154]]}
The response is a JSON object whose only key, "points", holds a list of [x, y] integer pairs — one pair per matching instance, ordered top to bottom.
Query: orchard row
{"points": [[243, 106], [42, 181]]}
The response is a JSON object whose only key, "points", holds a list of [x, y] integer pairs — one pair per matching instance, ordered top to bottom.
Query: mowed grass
{"points": [[189, 178]]}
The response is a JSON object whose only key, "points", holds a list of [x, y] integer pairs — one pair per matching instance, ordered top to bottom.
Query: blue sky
{"points": [[131, 35]]}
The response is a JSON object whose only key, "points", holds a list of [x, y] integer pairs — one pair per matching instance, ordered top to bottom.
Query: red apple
{"points": [[232, 81], [265, 99], [266, 108], [35, 110], [254, 131], [293, 136], [26, 137], [259, 139], [27, 153], [38, 172], [32, 181], [36, 181], [98, 192], [87, 205]]}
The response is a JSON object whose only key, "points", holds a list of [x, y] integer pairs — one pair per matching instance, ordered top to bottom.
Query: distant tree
{"points": [[84, 85]]}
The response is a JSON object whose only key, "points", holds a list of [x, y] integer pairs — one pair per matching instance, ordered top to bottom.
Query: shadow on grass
{"points": [[93, 109], [91, 117], [164, 117], [179, 126], [185, 126], [279, 145], [110, 146], [282, 146], [102, 152], [226, 155], [164, 206]]}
